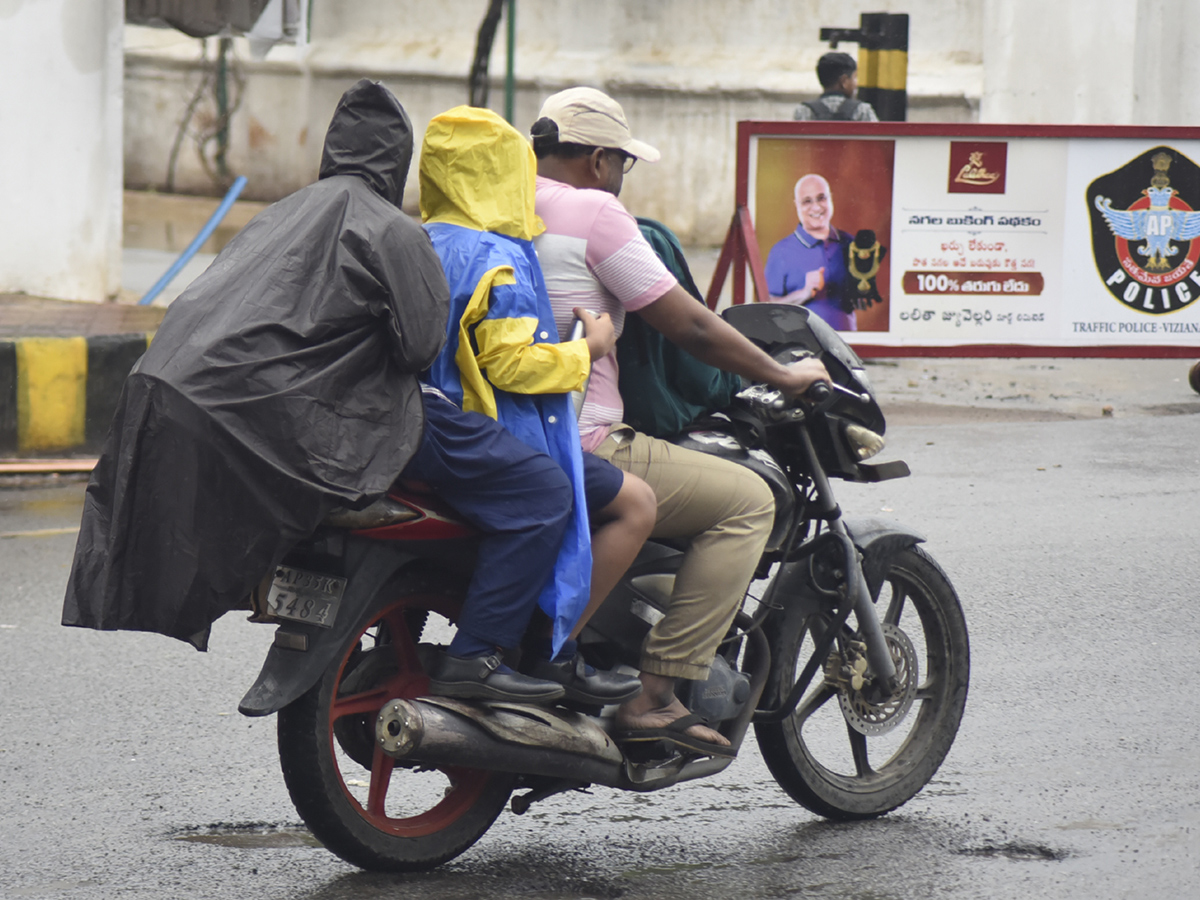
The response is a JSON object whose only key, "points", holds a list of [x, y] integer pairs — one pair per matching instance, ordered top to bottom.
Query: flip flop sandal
{"points": [[675, 734]]}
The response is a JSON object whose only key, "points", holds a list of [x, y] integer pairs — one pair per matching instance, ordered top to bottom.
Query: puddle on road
{"points": [[1174, 409], [42, 496], [41, 510], [940, 788], [1093, 825], [251, 836], [1016, 851], [680, 868], [52, 887]]}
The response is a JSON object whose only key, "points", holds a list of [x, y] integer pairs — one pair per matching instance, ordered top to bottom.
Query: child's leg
{"points": [[521, 500], [622, 511], [620, 526]]}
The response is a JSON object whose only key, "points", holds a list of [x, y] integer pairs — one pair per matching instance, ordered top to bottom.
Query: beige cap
{"points": [[587, 116]]}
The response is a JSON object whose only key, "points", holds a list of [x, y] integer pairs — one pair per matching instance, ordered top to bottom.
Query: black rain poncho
{"points": [[282, 383]]}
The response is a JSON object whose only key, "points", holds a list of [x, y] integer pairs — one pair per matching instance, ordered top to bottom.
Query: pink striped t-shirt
{"points": [[594, 256]]}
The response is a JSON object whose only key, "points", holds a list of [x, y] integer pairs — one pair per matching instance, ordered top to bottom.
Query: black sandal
{"points": [[676, 734]]}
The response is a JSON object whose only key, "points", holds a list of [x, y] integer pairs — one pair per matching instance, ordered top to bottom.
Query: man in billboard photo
{"points": [[808, 267]]}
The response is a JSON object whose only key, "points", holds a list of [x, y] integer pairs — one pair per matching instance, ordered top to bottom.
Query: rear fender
{"points": [[878, 540], [302, 652]]}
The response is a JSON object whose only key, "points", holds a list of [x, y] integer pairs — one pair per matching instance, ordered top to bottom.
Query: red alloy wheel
{"points": [[392, 636], [374, 811]]}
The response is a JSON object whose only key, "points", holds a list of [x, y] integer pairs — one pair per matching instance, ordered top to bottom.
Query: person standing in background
{"points": [[838, 74]]}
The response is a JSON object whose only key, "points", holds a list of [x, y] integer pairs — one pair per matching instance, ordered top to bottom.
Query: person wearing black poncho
{"points": [[281, 384]]}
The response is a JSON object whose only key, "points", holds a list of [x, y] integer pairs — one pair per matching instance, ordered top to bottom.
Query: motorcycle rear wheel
{"points": [[834, 770], [363, 805]]}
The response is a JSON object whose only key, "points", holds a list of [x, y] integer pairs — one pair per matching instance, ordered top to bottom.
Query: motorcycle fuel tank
{"points": [[727, 446]]}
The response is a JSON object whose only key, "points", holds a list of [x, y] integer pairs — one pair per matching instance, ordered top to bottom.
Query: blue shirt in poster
{"points": [[800, 253]]}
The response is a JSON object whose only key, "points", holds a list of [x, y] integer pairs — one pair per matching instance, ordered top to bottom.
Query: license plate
{"points": [[302, 596]]}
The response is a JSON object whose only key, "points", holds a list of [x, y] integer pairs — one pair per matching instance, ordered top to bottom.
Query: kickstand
{"points": [[522, 802]]}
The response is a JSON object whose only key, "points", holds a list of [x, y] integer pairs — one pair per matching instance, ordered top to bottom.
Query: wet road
{"points": [[125, 770]]}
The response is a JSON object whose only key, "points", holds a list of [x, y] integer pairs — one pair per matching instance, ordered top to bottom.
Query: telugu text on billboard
{"points": [[904, 238]]}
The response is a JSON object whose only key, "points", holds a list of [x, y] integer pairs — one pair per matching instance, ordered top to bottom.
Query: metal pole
{"points": [[882, 40], [883, 64], [509, 79], [222, 91]]}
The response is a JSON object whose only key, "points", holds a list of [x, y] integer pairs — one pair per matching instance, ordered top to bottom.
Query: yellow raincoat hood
{"points": [[479, 172]]}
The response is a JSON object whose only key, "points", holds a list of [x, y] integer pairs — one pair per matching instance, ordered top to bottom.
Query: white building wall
{"points": [[1066, 62], [1096, 62], [1166, 67], [686, 72], [61, 96]]}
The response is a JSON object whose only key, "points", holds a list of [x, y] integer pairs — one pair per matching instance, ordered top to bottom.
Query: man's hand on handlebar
{"points": [[598, 331], [801, 375]]}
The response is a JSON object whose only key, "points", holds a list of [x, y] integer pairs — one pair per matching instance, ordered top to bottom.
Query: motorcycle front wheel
{"points": [[831, 767], [365, 806]]}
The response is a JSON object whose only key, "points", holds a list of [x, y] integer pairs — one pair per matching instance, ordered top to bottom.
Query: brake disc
{"points": [[872, 716]]}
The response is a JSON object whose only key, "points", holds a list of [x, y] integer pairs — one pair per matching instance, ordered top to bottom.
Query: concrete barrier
{"points": [[59, 393]]}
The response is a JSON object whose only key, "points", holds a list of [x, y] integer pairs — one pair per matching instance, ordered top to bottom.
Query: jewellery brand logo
{"points": [[977, 167], [1146, 238]]}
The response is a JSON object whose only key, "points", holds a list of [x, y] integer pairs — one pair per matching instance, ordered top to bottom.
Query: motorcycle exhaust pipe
{"points": [[504, 737]]}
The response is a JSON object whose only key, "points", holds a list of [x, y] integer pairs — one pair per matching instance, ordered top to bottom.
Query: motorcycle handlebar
{"points": [[819, 392], [822, 395], [768, 398]]}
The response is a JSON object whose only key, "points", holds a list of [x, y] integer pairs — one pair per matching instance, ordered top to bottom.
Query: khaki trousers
{"points": [[727, 511]]}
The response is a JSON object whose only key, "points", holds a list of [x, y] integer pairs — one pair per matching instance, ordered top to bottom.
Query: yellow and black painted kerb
{"points": [[882, 40], [60, 393]]}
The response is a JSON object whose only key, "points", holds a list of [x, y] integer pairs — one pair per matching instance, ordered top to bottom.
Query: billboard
{"points": [[989, 240]]}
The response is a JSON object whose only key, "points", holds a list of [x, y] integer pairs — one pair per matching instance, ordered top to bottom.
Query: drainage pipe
{"points": [[209, 227]]}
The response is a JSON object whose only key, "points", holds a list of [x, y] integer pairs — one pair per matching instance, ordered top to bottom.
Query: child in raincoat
{"points": [[503, 358]]}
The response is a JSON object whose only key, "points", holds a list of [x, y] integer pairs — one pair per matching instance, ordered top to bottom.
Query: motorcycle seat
{"points": [[384, 511]]}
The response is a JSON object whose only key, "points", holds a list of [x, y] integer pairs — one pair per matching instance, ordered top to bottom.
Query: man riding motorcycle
{"points": [[594, 255], [283, 383]]}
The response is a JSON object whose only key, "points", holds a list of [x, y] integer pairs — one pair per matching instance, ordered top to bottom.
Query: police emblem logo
{"points": [[1145, 234]]}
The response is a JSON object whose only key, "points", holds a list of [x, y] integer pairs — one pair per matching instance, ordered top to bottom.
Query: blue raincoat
{"points": [[502, 356]]}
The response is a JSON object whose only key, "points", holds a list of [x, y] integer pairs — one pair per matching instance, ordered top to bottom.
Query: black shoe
{"points": [[477, 679], [587, 685]]}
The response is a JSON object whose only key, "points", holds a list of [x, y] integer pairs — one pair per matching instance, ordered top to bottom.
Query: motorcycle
{"points": [[852, 665]]}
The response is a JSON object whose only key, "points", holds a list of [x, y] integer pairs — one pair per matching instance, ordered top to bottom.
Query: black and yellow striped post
{"points": [[882, 40], [60, 393]]}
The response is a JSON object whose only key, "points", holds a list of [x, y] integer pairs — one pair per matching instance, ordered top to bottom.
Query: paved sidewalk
{"points": [[24, 316], [62, 363], [946, 391]]}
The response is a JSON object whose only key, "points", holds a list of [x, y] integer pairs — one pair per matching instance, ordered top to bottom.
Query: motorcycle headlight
{"points": [[863, 441]]}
